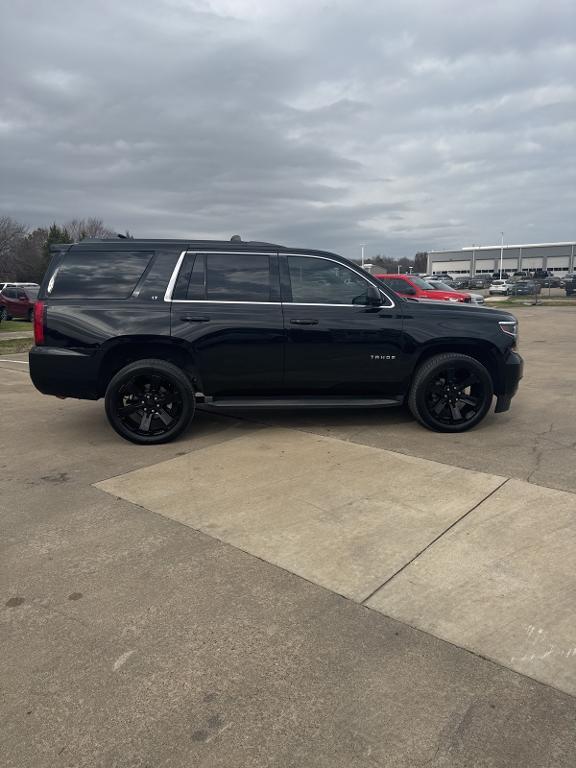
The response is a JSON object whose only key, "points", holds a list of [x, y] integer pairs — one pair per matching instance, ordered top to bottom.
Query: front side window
{"points": [[237, 277], [320, 281], [398, 285]]}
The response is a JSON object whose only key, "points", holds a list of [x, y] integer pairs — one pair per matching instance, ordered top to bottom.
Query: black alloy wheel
{"points": [[3, 314], [451, 393], [150, 402]]}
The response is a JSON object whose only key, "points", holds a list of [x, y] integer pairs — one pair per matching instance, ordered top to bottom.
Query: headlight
{"points": [[509, 327]]}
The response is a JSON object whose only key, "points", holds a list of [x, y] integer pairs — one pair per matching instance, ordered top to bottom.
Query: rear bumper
{"points": [[64, 372], [512, 373]]}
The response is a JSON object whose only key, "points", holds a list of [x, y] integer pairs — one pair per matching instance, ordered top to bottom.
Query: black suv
{"points": [[159, 326]]}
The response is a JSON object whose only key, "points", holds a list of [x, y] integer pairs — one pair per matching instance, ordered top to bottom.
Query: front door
{"points": [[226, 309], [336, 342]]}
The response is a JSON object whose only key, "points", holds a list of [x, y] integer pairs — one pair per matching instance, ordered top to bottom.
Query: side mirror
{"points": [[373, 297]]}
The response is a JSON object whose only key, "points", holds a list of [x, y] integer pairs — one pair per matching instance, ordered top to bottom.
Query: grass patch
{"points": [[519, 301], [9, 326], [15, 346]]}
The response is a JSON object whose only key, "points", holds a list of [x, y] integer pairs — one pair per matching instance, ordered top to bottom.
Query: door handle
{"points": [[194, 318], [304, 321]]}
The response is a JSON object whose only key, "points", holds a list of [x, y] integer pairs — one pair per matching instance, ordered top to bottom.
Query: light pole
{"points": [[362, 251], [501, 253]]}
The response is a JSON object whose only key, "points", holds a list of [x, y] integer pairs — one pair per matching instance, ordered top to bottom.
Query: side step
{"points": [[301, 402]]}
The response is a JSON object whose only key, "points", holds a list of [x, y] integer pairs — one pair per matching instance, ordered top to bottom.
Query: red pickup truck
{"points": [[412, 285]]}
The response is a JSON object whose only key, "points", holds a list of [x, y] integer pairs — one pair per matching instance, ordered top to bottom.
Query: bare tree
{"points": [[81, 228], [11, 235], [30, 264]]}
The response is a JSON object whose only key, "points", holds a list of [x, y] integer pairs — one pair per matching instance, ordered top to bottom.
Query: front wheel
{"points": [[451, 393], [149, 402]]}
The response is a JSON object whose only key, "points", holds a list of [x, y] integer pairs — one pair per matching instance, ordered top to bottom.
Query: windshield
{"points": [[421, 283], [438, 285]]}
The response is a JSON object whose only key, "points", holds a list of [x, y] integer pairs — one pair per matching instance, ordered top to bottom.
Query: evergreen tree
{"points": [[55, 235]]}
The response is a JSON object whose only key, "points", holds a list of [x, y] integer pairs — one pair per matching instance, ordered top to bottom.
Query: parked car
{"points": [[540, 274], [521, 275], [479, 282], [549, 282], [570, 284], [410, 285], [439, 285], [500, 287], [525, 288], [17, 301], [157, 327]]}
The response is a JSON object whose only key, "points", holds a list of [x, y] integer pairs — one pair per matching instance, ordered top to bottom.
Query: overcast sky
{"points": [[329, 123]]}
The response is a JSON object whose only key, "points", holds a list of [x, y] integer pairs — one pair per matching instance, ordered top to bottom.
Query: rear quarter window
{"points": [[98, 274]]}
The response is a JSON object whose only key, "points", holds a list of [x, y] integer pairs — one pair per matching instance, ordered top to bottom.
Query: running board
{"points": [[301, 402]]}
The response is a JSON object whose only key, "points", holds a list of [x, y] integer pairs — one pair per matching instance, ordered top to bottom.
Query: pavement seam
{"points": [[431, 543], [227, 545]]}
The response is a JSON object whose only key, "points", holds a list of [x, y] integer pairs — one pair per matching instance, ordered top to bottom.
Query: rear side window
{"points": [[98, 274], [237, 277], [190, 282]]}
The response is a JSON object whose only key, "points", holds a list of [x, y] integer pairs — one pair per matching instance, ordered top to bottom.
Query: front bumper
{"points": [[64, 372], [512, 373]]}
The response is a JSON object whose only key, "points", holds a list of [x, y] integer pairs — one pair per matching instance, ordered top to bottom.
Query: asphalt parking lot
{"points": [[296, 589]]}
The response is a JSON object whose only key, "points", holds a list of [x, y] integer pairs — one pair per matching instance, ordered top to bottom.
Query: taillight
{"points": [[39, 315]]}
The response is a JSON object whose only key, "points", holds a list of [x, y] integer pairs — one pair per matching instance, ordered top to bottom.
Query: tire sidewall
{"points": [[169, 370], [420, 408]]}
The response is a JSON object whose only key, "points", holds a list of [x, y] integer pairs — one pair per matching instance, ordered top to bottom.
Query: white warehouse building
{"points": [[557, 258]]}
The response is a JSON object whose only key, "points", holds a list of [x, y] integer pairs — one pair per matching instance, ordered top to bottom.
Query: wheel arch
{"points": [[124, 350], [481, 350]]}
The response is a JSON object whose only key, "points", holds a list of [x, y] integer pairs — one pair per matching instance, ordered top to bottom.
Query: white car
{"points": [[500, 288], [476, 298]]}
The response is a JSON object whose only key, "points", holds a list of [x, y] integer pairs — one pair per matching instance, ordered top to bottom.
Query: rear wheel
{"points": [[3, 314], [30, 315], [451, 393], [150, 401]]}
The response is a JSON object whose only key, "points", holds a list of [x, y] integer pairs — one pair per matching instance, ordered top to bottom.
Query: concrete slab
{"points": [[535, 440], [342, 515], [502, 583]]}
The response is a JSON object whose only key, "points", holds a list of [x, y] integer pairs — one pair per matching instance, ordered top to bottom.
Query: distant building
{"points": [[557, 258]]}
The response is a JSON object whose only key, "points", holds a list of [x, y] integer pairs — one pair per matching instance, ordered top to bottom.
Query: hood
{"points": [[457, 308]]}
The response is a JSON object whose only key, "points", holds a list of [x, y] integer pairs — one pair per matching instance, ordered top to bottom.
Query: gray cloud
{"points": [[330, 124]]}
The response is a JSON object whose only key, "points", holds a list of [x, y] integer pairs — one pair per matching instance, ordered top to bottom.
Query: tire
{"points": [[3, 314], [30, 315], [451, 393], [150, 402]]}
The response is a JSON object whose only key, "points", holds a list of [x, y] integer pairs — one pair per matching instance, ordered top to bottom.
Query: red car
{"points": [[411, 285], [18, 301]]}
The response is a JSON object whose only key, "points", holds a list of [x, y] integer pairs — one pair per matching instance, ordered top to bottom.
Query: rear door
{"points": [[11, 301], [226, 309], [335, 342]]}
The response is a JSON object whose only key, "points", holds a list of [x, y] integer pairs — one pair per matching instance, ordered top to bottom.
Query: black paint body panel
{"points": [[258, 349]]}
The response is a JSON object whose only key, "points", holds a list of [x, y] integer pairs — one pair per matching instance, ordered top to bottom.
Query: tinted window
{"points": [[99, 274], [237, 277], [319, 281], [190, 282], [397, 284], [181, 287], [32, 293]]}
